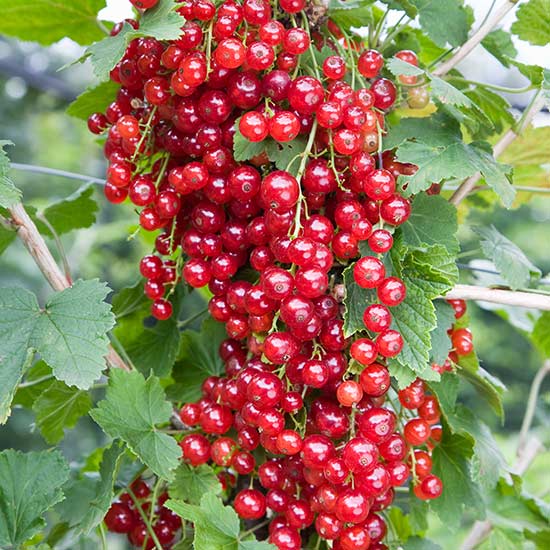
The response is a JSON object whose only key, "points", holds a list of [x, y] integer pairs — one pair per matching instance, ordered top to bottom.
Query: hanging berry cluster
{"points": [[334, 444]]}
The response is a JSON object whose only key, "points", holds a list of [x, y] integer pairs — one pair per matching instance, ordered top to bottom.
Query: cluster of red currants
{"points": [[462, 342], [316, 403], [126, 517]]}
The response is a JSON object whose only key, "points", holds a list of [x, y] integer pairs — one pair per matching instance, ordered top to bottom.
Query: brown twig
{"points": [[38, 249], [530, 300]]}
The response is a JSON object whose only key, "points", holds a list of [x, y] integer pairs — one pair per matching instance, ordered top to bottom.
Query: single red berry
{"points": [[370, 62], [368, 272], [250, 504], [119, 518]]}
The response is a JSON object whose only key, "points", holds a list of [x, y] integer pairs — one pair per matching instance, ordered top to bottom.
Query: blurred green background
{"points": [[33, 97]]}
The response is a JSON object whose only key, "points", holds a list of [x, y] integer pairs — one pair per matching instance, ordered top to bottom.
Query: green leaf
{"points": [[405, 5], [452, 12], [356, 13], [47, 21], [161, 22], [533, 22], [500, 45], [108, 52], [399, 67], [535, 73], [447, 94], [94, 100], [495, 107], [435, 130], [529, 148], [243, 149], [286, 155], [443, 155], [9, 194], [75, 212], [432, 221], [7, 236], [515, 268], [433, 270], [427, 273], [129, 300], [355, 302], [19, 312], [414, 318], [71, 333], [541, 334], [440, 341], [151, 345], [151, 348], [201, 348], [198, 359], [488, 386], [446, 391], [27, 396], [60, 407], [130, 411], [451, 462], [488, 463], [191, 483], [30, 484], [97, 496], [510, 508], [418, 514], [400, 523], [217, 527], [502, 539], [417, 543], [255, 545]]}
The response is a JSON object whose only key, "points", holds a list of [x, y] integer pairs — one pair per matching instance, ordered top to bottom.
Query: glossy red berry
{"points": [[250, 504]]}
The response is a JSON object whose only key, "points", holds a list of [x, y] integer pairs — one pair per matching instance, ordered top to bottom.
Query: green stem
{"points": [[489, 11], [102, 26], [397, 28], [379, 29], [311, 50], [440, 57], [494, 86], [527, 113], [145, 133], [301, 170], [54, 172], [186, 322], [120, 348], [32, 383], [532, 403], [154, 499], [145, 519], [101, 529], [244, 534]]}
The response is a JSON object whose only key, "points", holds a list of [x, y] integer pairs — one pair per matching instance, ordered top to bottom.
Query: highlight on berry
{"points": [[291, 368]]}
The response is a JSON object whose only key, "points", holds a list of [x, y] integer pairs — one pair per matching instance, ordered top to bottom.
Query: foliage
{"points": [[53, 356]]}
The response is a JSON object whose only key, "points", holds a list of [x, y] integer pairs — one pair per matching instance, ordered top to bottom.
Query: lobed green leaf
{"points": [[48, 21], [533, 22], [95, 99], [514, 266], [60, 407], [131, 410], [30, 484]]}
